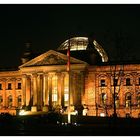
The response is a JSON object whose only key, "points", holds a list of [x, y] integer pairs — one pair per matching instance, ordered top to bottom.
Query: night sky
{"points": [[115, 27]]}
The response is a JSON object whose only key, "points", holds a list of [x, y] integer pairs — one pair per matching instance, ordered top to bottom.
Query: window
{"points": [[78, 45], [81, 46], [127, 81], [115, 82], [102, 83], [19, 85], [0, 86], [9, 86], [54, 95], [66, 96], [10, 98], [19, 98], [103, 98], [128, 100], [10, 101], [19, 101]]}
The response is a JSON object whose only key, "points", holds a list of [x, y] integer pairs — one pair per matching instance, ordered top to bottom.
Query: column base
{"points": [[34, 108], [45, 109]]}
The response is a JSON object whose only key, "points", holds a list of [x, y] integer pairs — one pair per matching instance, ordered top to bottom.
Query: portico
{"points": [[46, 87]]}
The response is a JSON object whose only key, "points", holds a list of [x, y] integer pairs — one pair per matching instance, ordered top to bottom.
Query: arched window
{"points": [[128, 82], [102, 83], [54, 90], [66, 91], [103, 98], [128, 100], [10, 101], [19, 101]]}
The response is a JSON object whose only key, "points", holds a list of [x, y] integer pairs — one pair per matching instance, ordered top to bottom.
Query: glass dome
{"points": [[80, 43]]}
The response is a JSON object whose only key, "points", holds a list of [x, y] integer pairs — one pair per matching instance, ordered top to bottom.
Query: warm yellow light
{"points": [[21, 112], [102, 114]]}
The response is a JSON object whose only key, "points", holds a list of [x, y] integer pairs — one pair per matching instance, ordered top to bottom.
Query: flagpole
{"points": [[68, 69]]}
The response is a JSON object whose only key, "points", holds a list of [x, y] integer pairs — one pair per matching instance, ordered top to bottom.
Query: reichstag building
{"points": [[92, 87]]}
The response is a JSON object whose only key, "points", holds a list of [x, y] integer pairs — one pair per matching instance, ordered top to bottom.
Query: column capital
{"points": [[82, 72], [34, 74], [45, 74], [59, 74], [24, 75], [40, 75], [50, 75], [63, 75]]}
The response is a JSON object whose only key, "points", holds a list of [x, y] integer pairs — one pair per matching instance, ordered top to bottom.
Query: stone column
{"points": [[59, 88], [82, 88], [62, 89], [74, 89], [24, 90], [41, 91], [50, 91], [28, 92], [45, 92], [79, 92], [14, 93], [38, 93], [31, 101], [34, 107]]}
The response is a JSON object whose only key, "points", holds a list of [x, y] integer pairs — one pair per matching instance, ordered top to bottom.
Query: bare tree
{"points": [[116, 76]]}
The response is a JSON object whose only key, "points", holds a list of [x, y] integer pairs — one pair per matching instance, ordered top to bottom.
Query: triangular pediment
{"points": [[51, 57]]}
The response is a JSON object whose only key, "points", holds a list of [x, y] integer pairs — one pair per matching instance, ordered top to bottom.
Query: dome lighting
{"points": [[80, 43]]}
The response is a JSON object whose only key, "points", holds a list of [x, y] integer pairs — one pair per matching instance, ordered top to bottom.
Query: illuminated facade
{"points": [[41, 83]]}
